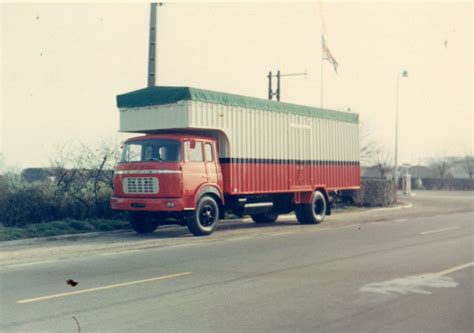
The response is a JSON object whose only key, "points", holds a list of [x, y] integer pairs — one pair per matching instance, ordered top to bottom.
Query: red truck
{"points": [[204, 153]]}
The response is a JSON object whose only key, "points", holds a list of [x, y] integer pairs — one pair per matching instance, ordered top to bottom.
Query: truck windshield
{"points": [[151, 150]]}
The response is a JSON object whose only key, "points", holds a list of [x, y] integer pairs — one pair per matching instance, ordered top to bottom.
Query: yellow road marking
{"points": [[439, 230], [30, 263], [455, 269], [118, 285]]}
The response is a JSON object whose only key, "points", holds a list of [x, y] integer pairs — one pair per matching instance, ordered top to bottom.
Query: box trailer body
{"points": [[274, 151]]}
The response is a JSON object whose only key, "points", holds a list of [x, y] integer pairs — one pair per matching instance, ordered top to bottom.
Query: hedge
{"points": [[372, 193], [37, 203]]}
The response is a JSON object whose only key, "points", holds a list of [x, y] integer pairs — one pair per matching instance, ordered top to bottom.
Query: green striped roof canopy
{"points": [[152, 96]]}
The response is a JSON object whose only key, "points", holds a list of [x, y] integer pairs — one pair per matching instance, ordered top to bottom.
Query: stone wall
{"points": [[372, 193]]}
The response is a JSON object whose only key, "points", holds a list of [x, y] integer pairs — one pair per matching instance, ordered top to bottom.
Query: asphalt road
{"points": [[400, 271]]}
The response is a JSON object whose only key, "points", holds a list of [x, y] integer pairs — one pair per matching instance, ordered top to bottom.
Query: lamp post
{"points": [[403, 73]]}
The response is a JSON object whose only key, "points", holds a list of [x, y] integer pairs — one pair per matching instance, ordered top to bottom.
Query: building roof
{"points": [[153, 96], [421, 171]]}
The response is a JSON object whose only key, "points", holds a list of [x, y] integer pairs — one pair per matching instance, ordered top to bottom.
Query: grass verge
{"points": [[64, 227]]}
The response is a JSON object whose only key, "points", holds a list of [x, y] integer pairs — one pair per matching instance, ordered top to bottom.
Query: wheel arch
{"points": [[213, 191], [325, 193]]}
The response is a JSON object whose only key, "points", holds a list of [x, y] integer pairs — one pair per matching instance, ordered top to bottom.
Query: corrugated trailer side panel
{"points": [[146, 119], [280, 152]]}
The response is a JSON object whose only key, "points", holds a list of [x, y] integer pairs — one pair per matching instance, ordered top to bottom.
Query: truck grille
{"points": [[141, 185]]}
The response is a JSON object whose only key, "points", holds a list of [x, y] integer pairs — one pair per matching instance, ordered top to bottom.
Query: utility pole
{"points": [[152, 62], [403, 74], [322, 81], [271, 93]]}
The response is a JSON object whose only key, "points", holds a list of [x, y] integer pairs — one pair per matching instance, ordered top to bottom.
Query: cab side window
{"points": [[208, 151], [193, 154]]}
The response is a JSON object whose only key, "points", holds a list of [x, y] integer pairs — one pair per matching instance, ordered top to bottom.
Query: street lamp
{"points": [[403, 73]]}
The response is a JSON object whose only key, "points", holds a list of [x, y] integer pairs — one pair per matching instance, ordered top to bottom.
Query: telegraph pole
{"points": [[152, 62], [270, 91], [276, 93]]}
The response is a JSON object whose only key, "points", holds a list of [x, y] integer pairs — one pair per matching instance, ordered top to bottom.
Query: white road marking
{"points": [[438, 230], [455, 269], [416, 283], [410, 284], [118, 285]]}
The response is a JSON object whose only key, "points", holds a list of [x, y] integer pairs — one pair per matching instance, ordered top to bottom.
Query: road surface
{"points": [[402, 272]]}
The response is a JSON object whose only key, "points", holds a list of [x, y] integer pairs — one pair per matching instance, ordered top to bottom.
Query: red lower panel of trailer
{"points": [[254, 177]]}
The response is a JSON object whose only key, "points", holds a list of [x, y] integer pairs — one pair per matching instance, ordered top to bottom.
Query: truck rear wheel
{"points": [[314, 212], [299, 213], [205, 217], [265, 217], [140, 223]]}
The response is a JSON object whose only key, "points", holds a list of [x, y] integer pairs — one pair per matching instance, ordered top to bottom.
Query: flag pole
{"points": [[322, 62]]}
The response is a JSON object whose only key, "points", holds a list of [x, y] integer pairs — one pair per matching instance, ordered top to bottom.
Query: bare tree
{"points": [[369, 148], [383, 161], [441, 165], [468, 165], [84, 173]]}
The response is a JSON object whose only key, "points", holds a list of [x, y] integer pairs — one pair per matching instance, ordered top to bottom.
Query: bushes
{"points": [[78, 186], [372, 193], [36, 203], [32, 204], [55, 228]]}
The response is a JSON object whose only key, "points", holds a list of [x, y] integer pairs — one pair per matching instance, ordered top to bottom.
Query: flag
{"points": [[327, 54]]}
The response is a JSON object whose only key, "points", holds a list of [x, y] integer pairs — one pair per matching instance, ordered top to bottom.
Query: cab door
{"points": [[194, 167], [213, 172]]}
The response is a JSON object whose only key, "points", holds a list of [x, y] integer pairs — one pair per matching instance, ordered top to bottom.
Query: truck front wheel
{"points": [[314, 212], [205, 217], [265, 217], [141, 223]]}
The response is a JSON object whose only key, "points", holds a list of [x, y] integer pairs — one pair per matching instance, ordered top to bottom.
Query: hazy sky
{"points": [[62, 66]]}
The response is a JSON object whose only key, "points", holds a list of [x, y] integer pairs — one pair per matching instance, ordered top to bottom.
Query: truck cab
{"points": [[169, 179]]}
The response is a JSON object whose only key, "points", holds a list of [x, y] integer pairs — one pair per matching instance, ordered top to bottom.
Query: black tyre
{"points": [[314, 212], [299, 214], [265, 217], [205, 218], [141, 222]]}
